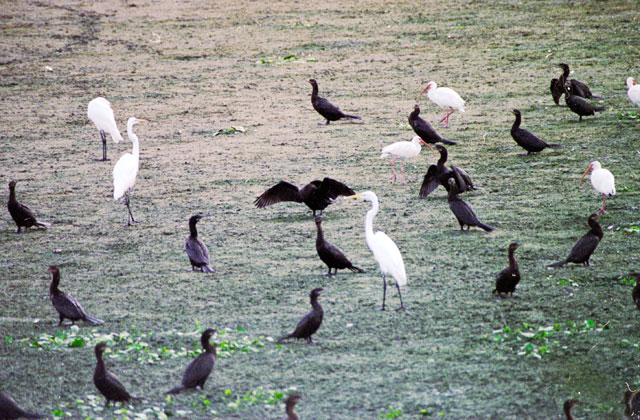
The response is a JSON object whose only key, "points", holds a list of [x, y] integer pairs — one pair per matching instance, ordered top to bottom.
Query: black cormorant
{"points": [[325, 108], [317, 195], [196, 249], [582, 250], [308, 324], [199, 369]]}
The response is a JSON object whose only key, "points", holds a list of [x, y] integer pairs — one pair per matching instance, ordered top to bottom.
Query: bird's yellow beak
{"points": [[143, 121], [585, 173], [354, 196]]}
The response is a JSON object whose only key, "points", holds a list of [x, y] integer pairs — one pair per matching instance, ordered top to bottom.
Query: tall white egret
{"points": [[634, 91], [445, 98], [100, 112], [402, 150], [126, 169], [602, 181], [385, 251]]}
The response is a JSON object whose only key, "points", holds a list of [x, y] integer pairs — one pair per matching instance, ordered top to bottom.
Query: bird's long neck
{"points": [[565, 73], [314, 92], [414, 115], [517, 122], [134, 139], [443, 157], [12, 193], [453, 193], [368, 223], [192, 229], [596, 229], [320, 235], [513, 262], [55, 280], [315, 304], [207, 346], [99, 364], [290, 410], [568, 413]]}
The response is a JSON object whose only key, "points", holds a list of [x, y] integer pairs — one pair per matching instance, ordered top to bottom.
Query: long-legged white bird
{"points": [[634, 91], [445, 98], [100, 112], [403, 150], [126, 170], [602, 181], [385, 251]]}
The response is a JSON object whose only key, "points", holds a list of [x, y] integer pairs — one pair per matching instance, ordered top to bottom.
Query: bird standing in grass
{"points": [[577, 87], [633, 91], [445, 98], [579, 105], [325, 108], [100, 112], [424, 130], [525, 138], [402, 150], [126, 170], [439, 174], [602, 181], [317, 195], [463, 212], [21, 214], [196, 249], [582, 250], [385, 251], [330, 254], [508, 279], [636, 289], [66, 305], [310, 323], [199, 369], [107, 383], [632, 404], [290, 405], [567, 407], [10, 410]]}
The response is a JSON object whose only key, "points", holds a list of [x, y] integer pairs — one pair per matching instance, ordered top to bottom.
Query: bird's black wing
{"points": [[580, 88], [556, 90], [327, 109], [463, 180], [430, 182], [332, 189], [282, 191], [464, 212], [583, 249], [197, 251], [333, 254], [68, 306], [307, 325], [198, 370], [111, 387]]}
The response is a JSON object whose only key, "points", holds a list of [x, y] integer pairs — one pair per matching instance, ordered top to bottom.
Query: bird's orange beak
{"points": [[429, 146], [585, 173]]}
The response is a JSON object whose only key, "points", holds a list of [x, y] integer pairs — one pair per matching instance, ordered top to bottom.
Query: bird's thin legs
{"points": [[446, 117], [103, 136], [402, 172], [393, 181], [604, 200], [130, 218], [384, 292], [401, 308]]}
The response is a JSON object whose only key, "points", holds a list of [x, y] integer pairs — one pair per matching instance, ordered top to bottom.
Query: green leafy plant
{"points": [[393, 413]]}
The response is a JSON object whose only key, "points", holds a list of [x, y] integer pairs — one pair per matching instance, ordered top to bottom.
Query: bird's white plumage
{"points": [[633, 91], [445, 97], [101, 114], [402, 149], [126, 169], [602, 179], [385, 251]]}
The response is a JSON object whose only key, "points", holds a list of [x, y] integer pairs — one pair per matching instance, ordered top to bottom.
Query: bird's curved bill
{"points": [[422, 93], [429, 146], [585, 173]]}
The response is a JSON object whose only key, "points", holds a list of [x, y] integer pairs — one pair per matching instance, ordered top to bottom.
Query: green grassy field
{"points": [[458, 352]]}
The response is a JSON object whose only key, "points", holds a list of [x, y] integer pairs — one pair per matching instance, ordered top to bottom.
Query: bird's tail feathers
{"points": [[597, 96], [599, 108], [355, 117], [445, 141], [554, 145], [43, 224], [486, 227], [558, 264], [208, 269], [356, 269], [94, 321], [284, 337], [175, 390], [135, 397], [34, 416]]}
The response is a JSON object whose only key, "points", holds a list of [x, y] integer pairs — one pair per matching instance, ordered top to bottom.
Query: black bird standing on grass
{"points": [[577, 87], [556, 90], [579, 105], [325, 108], [424, 130], [525, 138], [439, 174], [317, 195], [463, 212], [21, 214], [196, 250], [582, 250], [330, 254], [509, 277], [636, 289], [66, 305], [308, 324], [199, 369], [107, 383], [632, 404], [290, 405], [567, 407], [10, 410]]}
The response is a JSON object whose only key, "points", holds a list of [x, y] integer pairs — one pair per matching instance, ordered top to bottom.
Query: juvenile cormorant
{"points": [[578, 104], [325, 108], [424, 129], [525, 138], [439, 174], [317, 195], [463, 212], [21, 214], [196, 249], [582, 250], [330, 254], [508, 278], [66, 305], [308, 324], [199, 369], [106, 382], [291, 402], [567, 407], [10, 410]]}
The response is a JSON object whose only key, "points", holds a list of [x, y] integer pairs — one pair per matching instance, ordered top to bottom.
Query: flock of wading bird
{"points": [[317, 195]]}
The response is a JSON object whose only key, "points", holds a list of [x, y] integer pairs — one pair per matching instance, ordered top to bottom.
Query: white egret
{"points": [[634, 91], [445, 98], [100, 112], [402, 150], [126, 169], [602, 181], [385, 251]]}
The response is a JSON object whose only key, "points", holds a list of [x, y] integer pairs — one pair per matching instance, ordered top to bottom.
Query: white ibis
{"points": [[634, 91], [444, 98], [100, 112], [403, 150], [126, 169], [602, 181], [385, 251]]}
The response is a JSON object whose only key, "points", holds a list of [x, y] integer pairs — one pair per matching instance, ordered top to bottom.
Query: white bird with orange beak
{"points": [[445, 98], [403, 150], [602, 181]]}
